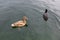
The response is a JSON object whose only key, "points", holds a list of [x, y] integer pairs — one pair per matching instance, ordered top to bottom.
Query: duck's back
{"points": [[45, 16]]}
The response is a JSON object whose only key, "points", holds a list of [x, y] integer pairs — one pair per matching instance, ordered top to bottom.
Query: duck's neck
{"points": [[46, 10], [24, 20]]}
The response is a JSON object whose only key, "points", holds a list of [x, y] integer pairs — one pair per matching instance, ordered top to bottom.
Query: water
{"points": [[13, 10]]}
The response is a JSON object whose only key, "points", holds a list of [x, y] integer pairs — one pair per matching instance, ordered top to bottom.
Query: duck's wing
{"points": [[19, 22]]}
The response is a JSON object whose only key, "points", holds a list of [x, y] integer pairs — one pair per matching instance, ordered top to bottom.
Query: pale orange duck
{"points": [[20, 23]]}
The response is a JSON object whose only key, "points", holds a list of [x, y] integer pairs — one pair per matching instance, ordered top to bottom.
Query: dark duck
{"points": [[45, 15]]}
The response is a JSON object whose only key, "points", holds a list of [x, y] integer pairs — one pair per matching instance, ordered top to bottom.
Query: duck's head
{"points": [[25, 18]]}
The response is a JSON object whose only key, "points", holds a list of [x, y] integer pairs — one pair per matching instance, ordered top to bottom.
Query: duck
{"points": [[45, 15], [20, 23]]}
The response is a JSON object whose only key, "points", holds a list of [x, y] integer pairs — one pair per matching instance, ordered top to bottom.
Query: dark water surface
{"points": [[38, 29]]}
